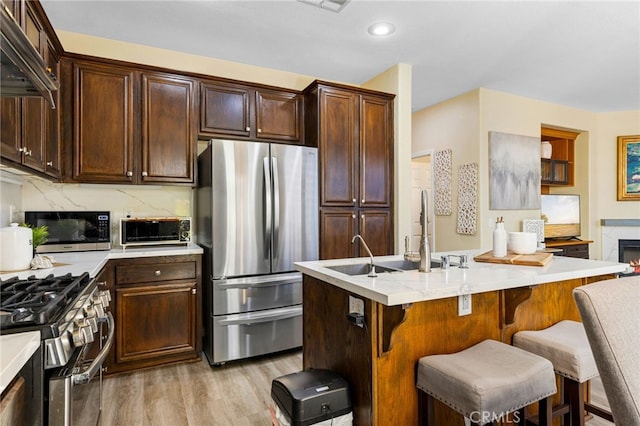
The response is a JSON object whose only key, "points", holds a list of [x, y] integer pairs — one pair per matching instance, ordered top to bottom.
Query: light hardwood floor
{"points": [[196, 394]]}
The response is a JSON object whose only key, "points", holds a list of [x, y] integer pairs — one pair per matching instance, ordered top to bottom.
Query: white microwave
{"points": [[149, 231]]}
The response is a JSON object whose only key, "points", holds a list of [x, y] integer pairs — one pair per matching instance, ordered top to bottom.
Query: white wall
{"points": [[473, 115], [450, 124]]}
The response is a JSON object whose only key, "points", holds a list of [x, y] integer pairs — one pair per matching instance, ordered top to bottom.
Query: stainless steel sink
{"points": [[405, 265], [381, 267], [359, 269]]}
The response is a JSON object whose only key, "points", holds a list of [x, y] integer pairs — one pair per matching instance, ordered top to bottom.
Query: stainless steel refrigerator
{"points": [[257, 213]]}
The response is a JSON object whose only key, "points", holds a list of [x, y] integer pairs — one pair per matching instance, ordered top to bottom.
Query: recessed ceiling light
{"points": [[381, 29]]}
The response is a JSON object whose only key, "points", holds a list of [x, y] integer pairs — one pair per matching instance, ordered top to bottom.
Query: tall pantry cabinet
{"points": [[353, 129]]}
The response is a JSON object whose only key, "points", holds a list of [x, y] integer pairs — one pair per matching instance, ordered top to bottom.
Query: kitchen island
{"points": [[408, 315]]}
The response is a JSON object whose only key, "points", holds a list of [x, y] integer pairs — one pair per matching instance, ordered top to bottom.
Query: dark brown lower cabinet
{"points": [[339, 225], [157, 311]]}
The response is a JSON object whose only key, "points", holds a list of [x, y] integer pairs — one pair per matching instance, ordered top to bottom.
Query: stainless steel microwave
{"points": [[72, 231], [147, 231]]}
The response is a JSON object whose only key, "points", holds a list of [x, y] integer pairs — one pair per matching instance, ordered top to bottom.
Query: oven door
{"points": [[75, 390]]}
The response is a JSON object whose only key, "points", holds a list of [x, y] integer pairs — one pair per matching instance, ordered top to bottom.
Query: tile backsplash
{"points": [[120, 200]]}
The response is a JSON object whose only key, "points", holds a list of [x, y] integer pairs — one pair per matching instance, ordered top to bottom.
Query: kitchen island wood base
{"points": [[379, 360]]}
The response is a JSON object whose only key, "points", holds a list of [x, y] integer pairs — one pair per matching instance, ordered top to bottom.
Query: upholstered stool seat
{"points": [[565, 344], [485, 382]]}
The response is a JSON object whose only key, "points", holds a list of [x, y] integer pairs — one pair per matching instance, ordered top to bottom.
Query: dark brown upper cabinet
{"points": [[244, 112], [132, 126], [354, 131], [29, 137]]}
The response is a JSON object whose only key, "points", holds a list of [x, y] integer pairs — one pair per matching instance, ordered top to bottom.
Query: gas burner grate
{"points": [[37, 300]]}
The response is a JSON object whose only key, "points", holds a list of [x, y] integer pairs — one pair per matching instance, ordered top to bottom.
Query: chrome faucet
{"points": [[424, 253], [446, 261], [372, 271]]}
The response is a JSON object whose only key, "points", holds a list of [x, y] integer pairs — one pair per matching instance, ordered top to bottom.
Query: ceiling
{"points": [[578, 54]]}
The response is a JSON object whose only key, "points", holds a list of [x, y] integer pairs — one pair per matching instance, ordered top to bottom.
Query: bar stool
{"points": [[565, 344], [486, 382]]}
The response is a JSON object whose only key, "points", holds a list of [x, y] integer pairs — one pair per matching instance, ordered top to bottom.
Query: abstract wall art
{"points": [[514, 172]]}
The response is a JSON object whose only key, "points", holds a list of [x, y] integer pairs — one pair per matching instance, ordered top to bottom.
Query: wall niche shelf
{"points": [[559, 169]]}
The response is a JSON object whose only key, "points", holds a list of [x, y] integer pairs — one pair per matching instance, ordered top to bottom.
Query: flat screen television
{"points": [[561, 215]]}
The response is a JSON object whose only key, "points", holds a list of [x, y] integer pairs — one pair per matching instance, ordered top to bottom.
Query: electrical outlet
{"points": [[464, 305], [356, 306]]}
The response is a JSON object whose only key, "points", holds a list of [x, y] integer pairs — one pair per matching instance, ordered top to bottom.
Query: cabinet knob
{"points": [[248, 129], [259, 130], [22, 149], [27, 152], [50, 163], [129, 173], [145, 174], [353, 201], [363, 201], [353, 216], [157, 273], [193, 291]]}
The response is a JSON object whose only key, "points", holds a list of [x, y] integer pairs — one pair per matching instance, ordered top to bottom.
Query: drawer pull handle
{"points": [[157, 273]]}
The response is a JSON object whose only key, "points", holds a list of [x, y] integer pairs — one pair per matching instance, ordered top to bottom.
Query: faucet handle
{"points": [[463, 261], [446, 262]]}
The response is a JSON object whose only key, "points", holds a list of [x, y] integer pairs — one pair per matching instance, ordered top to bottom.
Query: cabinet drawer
{"points": [[579, 251], [128, 274]]}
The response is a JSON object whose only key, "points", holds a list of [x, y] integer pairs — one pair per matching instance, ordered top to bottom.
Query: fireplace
{"points": [[629, 252]]}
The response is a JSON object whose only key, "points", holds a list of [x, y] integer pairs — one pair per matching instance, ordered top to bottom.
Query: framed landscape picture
{"points": [[629, 168]]}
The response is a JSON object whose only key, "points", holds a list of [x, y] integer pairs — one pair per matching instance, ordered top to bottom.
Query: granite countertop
{"points": [[92, 262], [412, 286]]}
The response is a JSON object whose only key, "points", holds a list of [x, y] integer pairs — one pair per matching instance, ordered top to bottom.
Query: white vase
{"points": [[545, 149]]}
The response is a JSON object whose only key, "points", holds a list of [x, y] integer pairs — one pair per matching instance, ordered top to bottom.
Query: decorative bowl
{"points": [[523, 242]]}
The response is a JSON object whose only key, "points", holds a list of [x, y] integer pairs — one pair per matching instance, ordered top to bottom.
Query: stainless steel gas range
{"points": [[65, 375]]}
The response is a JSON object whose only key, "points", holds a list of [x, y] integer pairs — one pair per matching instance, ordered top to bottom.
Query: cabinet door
{"points": [[224, 110], [278, 116], [104, 123], [11, 129], [35, 132], [168, 137], [52, 144], [338, 147], [375, 153], [337, 228], [375, 228], [156, 320]]}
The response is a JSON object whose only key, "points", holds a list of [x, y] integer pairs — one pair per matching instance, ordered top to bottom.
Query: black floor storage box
{"points": [[311, 396]]}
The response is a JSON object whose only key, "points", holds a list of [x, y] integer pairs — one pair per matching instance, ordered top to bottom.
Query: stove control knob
{"points": [[104, 297], [95, 311], [93, 322], [82, 333]]}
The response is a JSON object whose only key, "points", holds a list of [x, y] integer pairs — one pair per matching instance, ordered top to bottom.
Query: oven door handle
{"points": [[96, 365]]}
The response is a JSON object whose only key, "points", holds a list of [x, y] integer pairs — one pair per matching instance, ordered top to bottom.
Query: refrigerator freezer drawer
{"points": [[256, 293], [250, 334]]}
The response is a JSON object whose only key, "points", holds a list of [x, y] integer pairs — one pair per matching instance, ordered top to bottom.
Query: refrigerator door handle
{"points": [[276, 206], [267, 208], [258, 284], [275, 315]]}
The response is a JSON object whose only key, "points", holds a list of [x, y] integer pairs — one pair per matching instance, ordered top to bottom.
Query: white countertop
{"points": [[79, 262], [412, 286], [15, 351]]}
